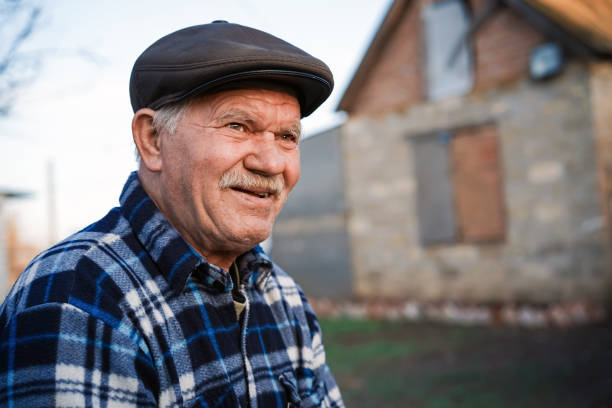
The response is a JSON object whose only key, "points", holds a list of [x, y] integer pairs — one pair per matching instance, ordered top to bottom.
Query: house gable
{"points": [[393, 77]]}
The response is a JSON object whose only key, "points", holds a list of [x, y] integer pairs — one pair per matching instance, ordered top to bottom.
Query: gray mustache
{"points": [[252, 181]]}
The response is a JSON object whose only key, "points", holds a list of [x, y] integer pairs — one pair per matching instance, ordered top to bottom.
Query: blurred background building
{"points": [[475, 162], [310, 236], [14, 255]]}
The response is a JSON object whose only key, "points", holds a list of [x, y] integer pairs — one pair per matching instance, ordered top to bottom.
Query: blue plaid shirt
{"points": [[125, 313]]}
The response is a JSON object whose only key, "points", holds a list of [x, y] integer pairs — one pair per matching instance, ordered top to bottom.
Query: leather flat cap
{"points": [[209, 57]]}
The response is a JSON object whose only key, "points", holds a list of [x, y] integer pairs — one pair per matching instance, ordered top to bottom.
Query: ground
{"points": [[400, 364]]}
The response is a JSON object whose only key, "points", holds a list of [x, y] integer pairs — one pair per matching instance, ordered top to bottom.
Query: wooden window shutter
{"points": [[477, 182], [436, 213]]}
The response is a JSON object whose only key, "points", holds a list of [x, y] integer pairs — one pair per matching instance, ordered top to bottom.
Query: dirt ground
{"points": [[386, 364]]}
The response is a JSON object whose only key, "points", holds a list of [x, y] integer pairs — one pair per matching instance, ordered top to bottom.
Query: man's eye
{"points": [[236, 126], [289, 137]]}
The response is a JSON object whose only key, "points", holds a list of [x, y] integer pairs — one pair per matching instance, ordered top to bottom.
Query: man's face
{"points": [[229, 166]]}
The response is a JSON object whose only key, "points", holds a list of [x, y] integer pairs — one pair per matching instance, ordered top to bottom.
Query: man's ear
{"points": [[147, 140]]}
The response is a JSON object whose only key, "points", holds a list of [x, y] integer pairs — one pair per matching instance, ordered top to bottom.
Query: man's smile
{"points": [[259, 194]]}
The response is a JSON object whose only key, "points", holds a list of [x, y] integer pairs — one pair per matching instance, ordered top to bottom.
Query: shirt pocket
{"points": [[296, 398]]}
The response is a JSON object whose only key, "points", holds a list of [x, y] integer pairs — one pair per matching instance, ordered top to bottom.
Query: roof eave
{"points": [[386, 29], [556, 31]]}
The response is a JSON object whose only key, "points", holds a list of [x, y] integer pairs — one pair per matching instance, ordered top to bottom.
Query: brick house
{"points": [[477, 152]]}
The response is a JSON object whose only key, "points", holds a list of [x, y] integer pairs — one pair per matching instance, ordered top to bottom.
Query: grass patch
{"points": [[340, 327], [355, 358], [395, 364]]}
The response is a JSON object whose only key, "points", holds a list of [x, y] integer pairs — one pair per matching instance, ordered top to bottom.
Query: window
{"points": [[449, 63], [459, 186]]}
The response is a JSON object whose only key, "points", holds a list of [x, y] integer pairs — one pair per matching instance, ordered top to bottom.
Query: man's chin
{"points": [[247, 239], [256, 239]]}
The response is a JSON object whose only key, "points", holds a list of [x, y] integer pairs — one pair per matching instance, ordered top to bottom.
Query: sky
{"points": [[75, 116]]}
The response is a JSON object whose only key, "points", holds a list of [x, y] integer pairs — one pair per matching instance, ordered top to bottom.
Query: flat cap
{"points": [[207, 57]]}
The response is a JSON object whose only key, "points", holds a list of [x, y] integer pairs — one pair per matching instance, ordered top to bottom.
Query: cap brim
{"points": [[312, 90]]}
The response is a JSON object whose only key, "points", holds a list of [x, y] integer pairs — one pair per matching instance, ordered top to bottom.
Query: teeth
{"points": [[260, 195]]}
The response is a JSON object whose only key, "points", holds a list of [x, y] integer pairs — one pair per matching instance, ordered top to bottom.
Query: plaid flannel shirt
{"points": [[125, 313]]}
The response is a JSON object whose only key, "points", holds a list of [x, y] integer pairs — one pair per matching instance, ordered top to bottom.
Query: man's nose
{"points": [[266, 156]]}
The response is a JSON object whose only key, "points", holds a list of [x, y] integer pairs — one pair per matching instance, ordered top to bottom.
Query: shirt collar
{"points": [[174, 257], [255, 267]]}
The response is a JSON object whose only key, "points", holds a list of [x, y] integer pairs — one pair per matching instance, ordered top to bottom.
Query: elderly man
{"points": [[168, 300]]}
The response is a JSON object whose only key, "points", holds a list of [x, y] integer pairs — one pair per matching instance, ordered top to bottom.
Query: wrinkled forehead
{"points": [[261, 104]]}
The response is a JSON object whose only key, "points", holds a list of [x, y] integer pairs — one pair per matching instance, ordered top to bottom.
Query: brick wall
{"points": [[502, 46], [501, 49], [395, 80]]}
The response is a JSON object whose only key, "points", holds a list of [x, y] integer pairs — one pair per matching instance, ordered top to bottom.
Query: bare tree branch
{"points": [[19, 67], [16, 69]]}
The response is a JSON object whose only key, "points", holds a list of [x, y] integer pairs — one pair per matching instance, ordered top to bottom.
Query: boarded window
{"points": [[449, 62], [478, 184], [435, 192], [460, 194]]}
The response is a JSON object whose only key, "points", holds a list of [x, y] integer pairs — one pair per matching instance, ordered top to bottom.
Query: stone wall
{"points": [[554, 243]]}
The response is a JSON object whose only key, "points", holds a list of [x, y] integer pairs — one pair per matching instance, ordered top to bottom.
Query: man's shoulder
{"points": [[94, 242], [76, 267], [282, 278], [286, 287]]}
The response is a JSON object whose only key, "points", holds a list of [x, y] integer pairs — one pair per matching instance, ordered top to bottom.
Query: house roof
{"points": [[589, 20], [583, 26]]}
